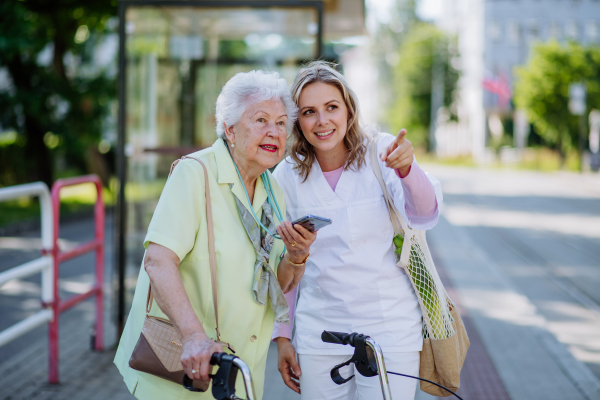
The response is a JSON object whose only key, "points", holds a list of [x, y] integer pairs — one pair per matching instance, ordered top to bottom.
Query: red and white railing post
{"points": [[97, 245]]}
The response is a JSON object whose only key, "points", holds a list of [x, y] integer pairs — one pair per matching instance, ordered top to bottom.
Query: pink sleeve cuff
{"points": [[397, 171], [419, 194], [283, 330]]}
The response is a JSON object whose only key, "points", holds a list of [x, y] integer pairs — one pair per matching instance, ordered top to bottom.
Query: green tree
{"points": [[388, 37], [412, 80], [542, 90], [50, 105]]}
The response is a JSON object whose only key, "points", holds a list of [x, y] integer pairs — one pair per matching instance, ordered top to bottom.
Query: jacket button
{"points": [[253, 338]]}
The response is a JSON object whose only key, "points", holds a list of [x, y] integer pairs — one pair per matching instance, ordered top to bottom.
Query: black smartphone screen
{"points": [[312, 222]]}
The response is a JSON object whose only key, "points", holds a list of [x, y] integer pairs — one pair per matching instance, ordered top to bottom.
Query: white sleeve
{"points": [[284, 176]]}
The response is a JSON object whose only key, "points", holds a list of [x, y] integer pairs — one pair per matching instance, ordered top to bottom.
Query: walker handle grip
{"points": [[338, 338], [216, 358]]}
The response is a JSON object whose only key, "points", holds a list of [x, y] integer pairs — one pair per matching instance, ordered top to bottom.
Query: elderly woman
{"points": [[254, 112]]}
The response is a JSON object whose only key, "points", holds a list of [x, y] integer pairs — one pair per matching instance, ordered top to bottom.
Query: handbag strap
{"points": [[397, 220], [400, 226], [211, 245]]}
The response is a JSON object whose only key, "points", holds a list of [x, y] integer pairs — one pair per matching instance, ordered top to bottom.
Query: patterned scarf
{"points": [[265, 282]]}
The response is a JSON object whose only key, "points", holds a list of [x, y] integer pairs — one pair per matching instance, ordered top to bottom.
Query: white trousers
{"points": [[316, 383]]}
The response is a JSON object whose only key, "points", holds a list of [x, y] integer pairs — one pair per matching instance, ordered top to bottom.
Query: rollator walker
{"points": [[368, 360]]}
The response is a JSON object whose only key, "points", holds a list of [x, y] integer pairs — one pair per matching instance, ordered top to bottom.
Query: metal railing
{"points": [[96, 245], [43, 264]]}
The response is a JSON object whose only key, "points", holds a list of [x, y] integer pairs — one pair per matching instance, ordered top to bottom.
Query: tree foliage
{"points": [[387, 39], [412, 79], [542, 89], [49, 102]]}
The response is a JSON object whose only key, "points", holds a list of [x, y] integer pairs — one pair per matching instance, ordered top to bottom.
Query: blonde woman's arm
{"points": [[421, 192], [286, 355]]}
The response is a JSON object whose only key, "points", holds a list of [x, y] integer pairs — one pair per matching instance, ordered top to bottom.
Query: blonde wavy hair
{"points": [[301, 151]]}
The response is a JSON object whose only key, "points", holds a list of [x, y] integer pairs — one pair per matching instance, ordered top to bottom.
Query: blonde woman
{"points": [[351, 282]]}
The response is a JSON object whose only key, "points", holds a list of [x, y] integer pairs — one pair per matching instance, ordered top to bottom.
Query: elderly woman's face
{"points": [[259, 136]]}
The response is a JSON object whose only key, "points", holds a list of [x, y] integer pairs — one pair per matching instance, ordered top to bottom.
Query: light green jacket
{"points": [[179, 223]]}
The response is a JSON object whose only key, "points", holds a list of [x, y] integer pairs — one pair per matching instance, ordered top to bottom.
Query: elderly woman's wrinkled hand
{"points": [[297, 240], [197, 352]]}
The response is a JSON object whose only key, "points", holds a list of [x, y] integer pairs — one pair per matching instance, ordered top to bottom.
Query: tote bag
{"points": [[445, 340]]}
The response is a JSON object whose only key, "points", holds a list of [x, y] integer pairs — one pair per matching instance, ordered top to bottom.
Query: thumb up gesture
{"points": [[399, 154]]}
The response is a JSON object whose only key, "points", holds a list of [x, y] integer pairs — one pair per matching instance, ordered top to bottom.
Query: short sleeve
{"points": [[279, 174], [283, 178], [180, 209]]}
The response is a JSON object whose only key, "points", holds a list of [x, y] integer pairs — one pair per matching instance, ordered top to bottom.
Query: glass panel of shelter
{"points": [[178, 59]]}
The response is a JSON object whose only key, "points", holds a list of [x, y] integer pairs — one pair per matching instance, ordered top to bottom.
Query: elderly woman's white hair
{"points": [[246, 88]]}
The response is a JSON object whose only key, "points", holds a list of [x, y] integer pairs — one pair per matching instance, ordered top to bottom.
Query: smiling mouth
{"points": [[324, 134], [269, 147]]}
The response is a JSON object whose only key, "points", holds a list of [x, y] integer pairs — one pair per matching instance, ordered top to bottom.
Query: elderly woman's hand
{"points": [[297, 240], [197, 352]]}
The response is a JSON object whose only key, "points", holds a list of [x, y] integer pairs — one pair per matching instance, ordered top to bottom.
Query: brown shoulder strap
{"points": [[211, 244]]}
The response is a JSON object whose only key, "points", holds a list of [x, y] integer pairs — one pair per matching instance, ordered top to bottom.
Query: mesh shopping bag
{"points": [[445, 340]]}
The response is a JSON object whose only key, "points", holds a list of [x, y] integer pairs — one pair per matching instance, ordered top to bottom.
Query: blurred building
{"points": [[494, 36]]}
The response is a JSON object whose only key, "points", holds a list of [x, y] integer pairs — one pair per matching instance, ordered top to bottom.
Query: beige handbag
{"points": [[445, 340], [158, 350]]}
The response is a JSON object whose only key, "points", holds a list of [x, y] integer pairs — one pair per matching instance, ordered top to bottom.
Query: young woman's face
{"points": [[323, 117]]}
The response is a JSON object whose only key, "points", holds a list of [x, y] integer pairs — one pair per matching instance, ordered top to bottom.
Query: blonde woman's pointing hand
{"points": [[399, 154]]}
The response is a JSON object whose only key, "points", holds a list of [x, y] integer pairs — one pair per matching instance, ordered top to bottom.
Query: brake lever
{"points": [[363, 357], [335, 373], [188, 383]]}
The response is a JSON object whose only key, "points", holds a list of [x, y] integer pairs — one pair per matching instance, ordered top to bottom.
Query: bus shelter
{"points": [[174, 58]]}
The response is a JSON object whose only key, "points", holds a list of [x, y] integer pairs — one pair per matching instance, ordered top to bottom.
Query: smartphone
{"points": [[312, 222]]}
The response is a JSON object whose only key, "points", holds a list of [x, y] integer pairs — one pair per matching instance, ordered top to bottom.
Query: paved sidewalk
{"points": [[520, 250], [514, 353], [529, 360], [85, 374]]}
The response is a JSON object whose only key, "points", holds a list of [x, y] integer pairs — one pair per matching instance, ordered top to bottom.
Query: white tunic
{"points": [[351, 282]]}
